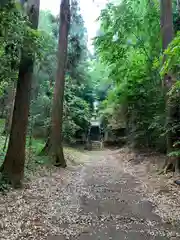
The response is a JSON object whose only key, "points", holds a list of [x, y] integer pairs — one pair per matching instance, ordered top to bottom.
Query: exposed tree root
{"points": [[58, 157], [171, 164]]}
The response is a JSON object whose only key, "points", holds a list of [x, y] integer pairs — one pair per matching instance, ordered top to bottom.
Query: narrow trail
{"points": [[98, 200]]}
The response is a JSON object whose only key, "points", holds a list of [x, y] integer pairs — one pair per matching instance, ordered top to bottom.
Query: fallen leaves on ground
{"points": [[160, 189], [51, 202], [45, 203]]}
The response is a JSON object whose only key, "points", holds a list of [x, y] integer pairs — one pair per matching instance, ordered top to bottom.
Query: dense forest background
{"points": [[133, 74]]}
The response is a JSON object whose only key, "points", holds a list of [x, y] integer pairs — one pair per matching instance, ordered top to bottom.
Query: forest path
{"points": [[98, 200]]}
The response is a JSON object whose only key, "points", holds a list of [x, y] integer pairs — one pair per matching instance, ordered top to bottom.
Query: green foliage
{"points": [[176, 16], [15, 34], [11, 39], [128, 44], [172, 59], [171, 65], [99, 74], [78, 88], [76, 111]]}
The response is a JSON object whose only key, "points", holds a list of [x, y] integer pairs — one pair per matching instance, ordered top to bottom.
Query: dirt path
{"points": [[98, 200]]}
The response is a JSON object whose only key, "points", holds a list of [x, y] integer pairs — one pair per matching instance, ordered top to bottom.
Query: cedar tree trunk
{"points": [[167, 36], [57, 111], [13, 166]]}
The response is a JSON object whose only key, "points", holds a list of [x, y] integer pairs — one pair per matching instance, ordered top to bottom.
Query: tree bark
{"points": [[167, 31], [57, 111], [13, 166]]}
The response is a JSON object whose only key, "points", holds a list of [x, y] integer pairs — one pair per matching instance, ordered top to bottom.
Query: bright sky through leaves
{"points": [[90, 10]]}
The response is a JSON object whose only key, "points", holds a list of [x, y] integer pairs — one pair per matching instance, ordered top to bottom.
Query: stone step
{"points": [[97, 145]]}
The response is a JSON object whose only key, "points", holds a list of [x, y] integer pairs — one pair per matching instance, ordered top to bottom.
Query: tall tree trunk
{"points": [[166, 22], [167, 31], [57, 111], [13, 166]]}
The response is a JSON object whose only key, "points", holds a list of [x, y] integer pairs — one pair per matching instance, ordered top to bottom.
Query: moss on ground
{"points": [[72, 155]]}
